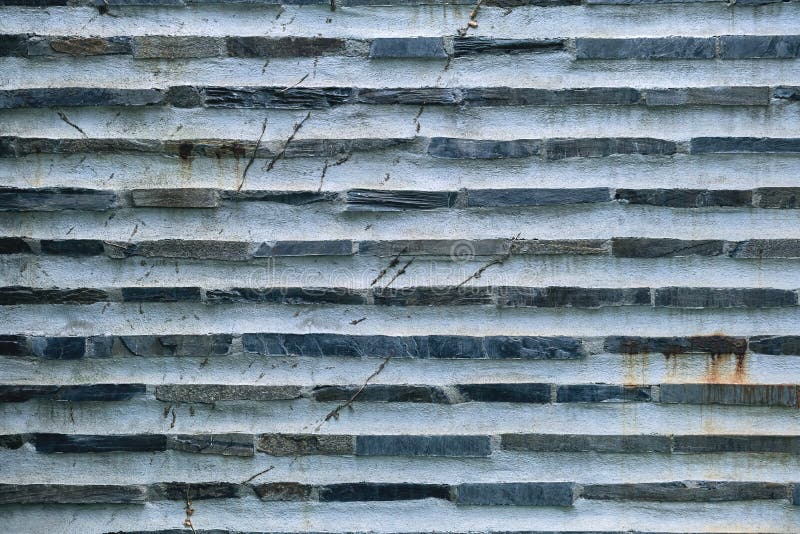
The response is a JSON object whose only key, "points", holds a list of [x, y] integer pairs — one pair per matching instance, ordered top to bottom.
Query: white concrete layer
{"points": [[694, 19], [550, 71], [378, 122], [406, 171], [264, 221], [359, 272], [188, 318], [275, 371], [303, 416], [583, 468], [418, 516]]}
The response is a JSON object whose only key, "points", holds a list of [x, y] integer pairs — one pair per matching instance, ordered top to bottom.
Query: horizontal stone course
{"points": [[471, 45], [759, 46], [407, 47], [646, 48], [744, 145], [536, 197], [686, 198], [55, 199], [375, 200], [643, 247], [571, 297], [711, 297], [714, 345], [776, 345], [91, 392], [211, 393], [381, 393], [602, 393], [738, 394], [62, 443], [585, 443], [736, 443], [222, 444], [305, 444], [458, 446], [371, 491], [686, 491], [517, 493]]}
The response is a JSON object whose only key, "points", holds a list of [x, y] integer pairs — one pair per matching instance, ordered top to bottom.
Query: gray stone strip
{"points": [[118, 4], [720, 47], [220, 444], [687, 491]]}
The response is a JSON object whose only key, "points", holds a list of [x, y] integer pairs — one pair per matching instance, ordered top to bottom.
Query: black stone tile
{"points": [[469, 45], [759, 46], [281, 47], [407, 47], [646, 48], [523, 96], [277, 97], [744, 145], [600, 147], [455, 148], [536, 197], [777, 197], [686, 198], [55, 199], [396, 200], [14, 245], [72, 247], [643, 247], [304, 248], [161, 294], [13, 295], [288, 295], [433, 296], [574, 297], [711, 297], [713, 344], [14, 345], [777, 345], [58, 348], [93, 392], [381, 393], [528, 393], [602, 393], [739, 394], [50, 443], [586, 443], [704, 443], [400, 445], [373, 491], [686, 491], [517, 493], [69, 494]]}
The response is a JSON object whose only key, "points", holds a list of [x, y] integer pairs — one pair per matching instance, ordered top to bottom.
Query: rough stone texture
{"points": [[13, 45], [469, 45], [79, 46], [174, 46], [759, 46], [278, 47], [402, 47], [645, 48], [788, 93], [410, 95], [78, 96], [699, 96], [276, 97], [744, 145], [452, 148], [556, 149], [536, 197], [777, 197], [175, 198], [293, 198], [685, 198], [54, 199], [373, 200], [14, 245], [71, 247], [642, 247], [180, 248], [304, 248], [766, 248], [161, 294], [12, 295], [288, 295], [433, 296], [572, 297], [712, 297], [14, 345], [714, 345], [775, 345], [198, 346], [58, 348], [93, 392], [210, 393], [381, 393], [527, 393], [602, 393], [750, 395], [50, 443], [585, 443], [733, 443], [222, 444], [305, 444], [459, 446], [181, 491], [283, 491], [366, 491], [686, 491], [68, 494], [519, 494]]}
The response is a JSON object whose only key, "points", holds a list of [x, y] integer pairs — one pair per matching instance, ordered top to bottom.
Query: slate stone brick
{"points": [[14, 45], [469, 45], [79, 46], [177, 46], [759, 46], [277, 47], [407, 47], [645, 48], [787, 92], [77, 96], [184, 96], [410, 96], [523, 96], [718, 96], [277, 97], [744, 145], [600, 147], [454, 148], [536, 197], [777, 197], [175, 198], [293, 198], [686, 198], [55, 199], [374, 200], [14, 245], [72, 247], [577, 247], [644, 247], [180, 248], [304, 248], [454, 248], [766, 248], [161, 294], [13, 295], [288, 295], [433, 296], [573, 297], [711, 297], [714, 344], [14, 345], [198, 345], [776, 345], [58, 348], [534, 348], [93, 392], [211, 393], [382, 393], [528, 393], [602, 393], [741, 394], [12, 441], [51, 443], [585, 443], [704, 443], [222, 444], [305, 444], [458, 446], [196, 491], [283, 491], [374, 491], [686, 491], [517, 493], [68, 494], [796, 494]]}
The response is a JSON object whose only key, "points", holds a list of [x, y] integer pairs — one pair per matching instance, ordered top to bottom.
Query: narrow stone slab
{"points": [[14, 45], [469, 45], [79, 46], [177, 46], [759, 46], [282, 47], [407, 47], [645, 48], [787, 92], [410, 95], [78, 96], [523, 96], [702, 96], [276, 97], [745, 145], [600, 147], [455, 148], [536, 197], [777, 197], [175, 198], [293, 198], [686, 198], [55, 199], [375, 200], [14, 245], [72, 247], [643, 247], [182, 248], [766, 248], [273, 249], [161, 294], [12, 295], [288, 295], [433, 296], [571, 297], [712, 297], [14, 345], [186, 345], [715, 345], [777, 345], [58, 348], [93, 392], [211, 393], [381, 393], [526, 393], [602, 393], [741, 394], [13, 441], [52, 443], [585, 443], [736, 443], [222, 444], [305, 444], [457, 446], [196, 491], [283, 491], [375, 491], [686, 491], [517, 493], [67, 494]]}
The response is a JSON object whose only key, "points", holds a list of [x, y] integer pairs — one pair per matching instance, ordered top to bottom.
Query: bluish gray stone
{"points": [[13, 45], [469, 45], [759, 46], [277, 47], [407, 47], [646, 48], [787, 93], [410, 95], [78, 96], [523, 96], [717, 96], [277, 97], [744, 145], [600, 147], [454, 148], [536, 197], [777, 197], [175, 198], [293, 198], [686, 198], [55, 199], [398, 200], [72, 247], [644, 247], [180, 248], [304, 248], [766, 248], [161, 294], [12, 295], [288, 295], [433, 296], [571, 297], [712, 297], [14, 345], [186, 345], [776, 345], [670, 346], [58, 348], [93, 392], [521, 392], [211, 393], [381, 393], [602, 393], [741, 394], [77, 443], [633, 443], [704, 443], [222, 444], [305, 444], [399, 445], [196, 491], [375, 491], [686, 491], [517, 493], [69, 494], [796, 494]]}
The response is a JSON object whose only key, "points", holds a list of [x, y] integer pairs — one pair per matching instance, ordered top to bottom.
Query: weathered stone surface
{"points": [[13, 45], [469, 45], [79, 46], [177, 46], [759, 46], [275, 47], [407, 47], [645, 48], [787, 92], [410, 95], [78, 96], [184, 96], [523, 96], [718, 96], [276, 97], [744, 145], [21, 146], [600, 147], [454, 148], [536, 197], [777, 197], [55, 198], [175, 198], [293, 198], [686, 198], [375, 200], [14, 245], [72, 247], [644, 247], [181, 248], [304, 248], [766, 248], [466, 249], [161, 294], [12, 295], [288, 295], [433, 296], [573, 297], [712, 297], [14, 345], [777, 345], [197, 346], [668, 346], [533, 347], [58, 348], [93, 392], [526, 392], [210, 393], [381, 393], [602, 393], [743, 394], [12, 441], [50, 443], [585, 443], [733, 443], [222, 444], [305, 444], [459, 446], [182, 491], [283, 491], [375, 491], [686, 491], [517, 493], [66, 494], [796, 494]]}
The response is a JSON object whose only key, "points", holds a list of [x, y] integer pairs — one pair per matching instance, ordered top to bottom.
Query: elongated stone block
{"points": [[469, 45], [177, 46], [759, 46], [275, 47], [407, 47], [645, 48], [700, 96], [276, 97], [745, 145], [600, 147], [454, 148], [536, 197], [175, 198], [686, 198], [55, 199], [374, 200], [72, 247], [643, 247], [304, 248], [766, 248], [161, 294], [12, 295], [288, 295], [433, 296], [571, 297], [713, 297], [186, 345], [776, 345], [668, 346], [92, 392], [210, 393], [381, 393], [527, 393], [602, 393], [741, 394], [52, 443], [586, 443], [736, 443], [222, 444], [305, 444], [457, 446], [283, 491], [374, 491], [686, 491], [517, 493], [69, 494]]}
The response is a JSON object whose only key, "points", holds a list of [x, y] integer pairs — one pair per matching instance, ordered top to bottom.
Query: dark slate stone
{"points": [[14, 45], [469, 45], [80, 46], [177, 46], [759, 46], [275, 47], [407, 47], [646, 48], [787, 93], [410, 95], [78, 96], [184, 96], [523, 96], [718, 96], [276, 97], [744, 145], [20, 146], [600, 147], [454, 148], [536, 197], [777, 197], [55, 198], [175, 198], [293, 198], [686, 198], [375, 200], [14, 245], [72, 247], [559, 247], [644, 247], [180, 248], [304, 248], [454, 248], [766, 248], [161, 294], [12, 295], [288, 295], [433, 296], [571, 297], [711, 297], [14, 345], [198, 345], [776, 345], [669, 346], [58, 348], [534, 348], [94, 392], [210, 393], [381, 393], [528, 393], [602, 393], [743, 394], [12, 441], [49, 443], [585, 443], [704, 443], [222, 444], [305, 444], [459, 446], [196, 491], [283, 491], [375, 491], [686, 491], [517, 493], [67, 494], [796, 494]]}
